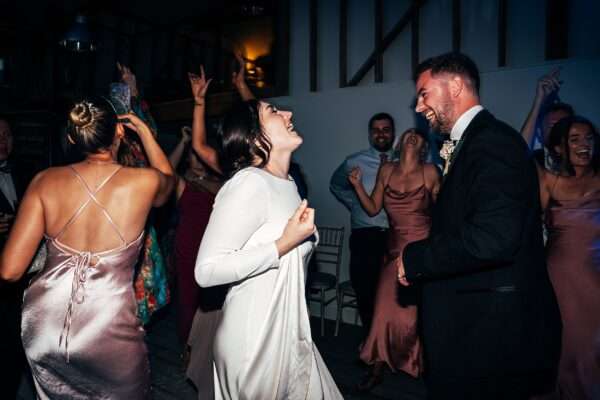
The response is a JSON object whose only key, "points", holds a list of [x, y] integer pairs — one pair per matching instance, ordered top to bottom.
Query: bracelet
{"points": [[198, 104]]}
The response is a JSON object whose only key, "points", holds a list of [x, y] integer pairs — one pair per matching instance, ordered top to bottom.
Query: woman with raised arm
{"points": [[199, 85], [545, 111], [407, 190], [195, 192], [571, 201], [256, 241], [151, 284], [198, 309], [80, 330]]}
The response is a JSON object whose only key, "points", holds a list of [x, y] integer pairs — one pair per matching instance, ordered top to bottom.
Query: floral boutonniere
{"points": [[446, 152]]}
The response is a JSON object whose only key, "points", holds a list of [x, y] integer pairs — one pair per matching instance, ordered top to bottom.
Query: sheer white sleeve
{"points": [[240, 208]]}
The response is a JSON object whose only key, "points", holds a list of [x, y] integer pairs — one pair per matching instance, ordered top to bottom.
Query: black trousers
{"points": [[367, 248], [507, 387]]}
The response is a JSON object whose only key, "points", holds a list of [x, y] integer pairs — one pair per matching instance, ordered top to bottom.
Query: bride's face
{"points": [[277, 126]]}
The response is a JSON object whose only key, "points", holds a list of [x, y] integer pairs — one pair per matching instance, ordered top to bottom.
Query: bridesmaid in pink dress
{"points": [[406, 189], [572, 209], [80, 329]]}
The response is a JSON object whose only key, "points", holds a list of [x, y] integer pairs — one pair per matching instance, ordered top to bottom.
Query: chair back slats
{"points": [[328, 251]]}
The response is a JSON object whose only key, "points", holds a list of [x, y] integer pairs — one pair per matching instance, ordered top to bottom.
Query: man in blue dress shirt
{"points": [[369, 234]]}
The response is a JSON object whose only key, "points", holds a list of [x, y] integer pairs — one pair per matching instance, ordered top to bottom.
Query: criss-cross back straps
{"points": [[92, 194]]}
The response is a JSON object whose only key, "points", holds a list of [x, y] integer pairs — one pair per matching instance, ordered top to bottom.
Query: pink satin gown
{"points": [[574, 267], [80, 329], [393, 337]]}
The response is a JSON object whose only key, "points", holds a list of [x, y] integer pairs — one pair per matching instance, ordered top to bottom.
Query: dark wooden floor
{"points": [[340, 354]]}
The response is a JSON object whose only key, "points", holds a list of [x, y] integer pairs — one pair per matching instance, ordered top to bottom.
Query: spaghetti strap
{"points": [[92, 197]]}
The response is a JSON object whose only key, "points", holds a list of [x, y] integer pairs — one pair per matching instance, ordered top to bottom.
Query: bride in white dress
{"points": [[257, 240]]}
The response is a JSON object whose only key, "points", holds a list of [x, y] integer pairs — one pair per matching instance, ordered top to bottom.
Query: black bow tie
{"points": [[5, 169]]}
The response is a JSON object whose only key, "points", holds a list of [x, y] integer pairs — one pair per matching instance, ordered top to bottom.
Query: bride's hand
{"points": [[299, 227]]}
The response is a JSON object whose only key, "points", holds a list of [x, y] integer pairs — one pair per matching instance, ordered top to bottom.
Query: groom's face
{"points": [[434, 101]]}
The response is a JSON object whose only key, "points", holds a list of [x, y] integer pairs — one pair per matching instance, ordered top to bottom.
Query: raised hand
{"points": [[128, 78], [239, 78], [548, 84], [199, 85], [134, 123], [186, 134], [355, 176]]}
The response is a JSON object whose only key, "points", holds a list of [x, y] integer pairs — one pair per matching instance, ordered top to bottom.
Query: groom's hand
{"points": [[401, 272]]}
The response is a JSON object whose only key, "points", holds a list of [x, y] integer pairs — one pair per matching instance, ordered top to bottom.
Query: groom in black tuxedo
{"points": [[490, 322], [12, 358]]}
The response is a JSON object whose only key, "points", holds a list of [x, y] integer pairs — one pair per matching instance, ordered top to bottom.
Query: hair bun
{"points": [[81, 114]]}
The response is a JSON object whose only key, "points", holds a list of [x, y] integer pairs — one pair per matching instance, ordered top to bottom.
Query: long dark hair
{"points": [[91, 125], [559, 137], [243, 141]]}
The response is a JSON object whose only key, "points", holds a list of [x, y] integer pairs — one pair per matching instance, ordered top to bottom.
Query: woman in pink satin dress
{"points": [[406, 189], [571, 202], [80, 329]]}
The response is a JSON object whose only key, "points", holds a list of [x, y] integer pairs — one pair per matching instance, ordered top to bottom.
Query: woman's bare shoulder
{"points": [[387, 168], [431, 170], [51, 176], [141, 176], [545, 176]]}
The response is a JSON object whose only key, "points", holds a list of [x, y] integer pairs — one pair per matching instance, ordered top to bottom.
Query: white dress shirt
{"points": [[463, 121]]}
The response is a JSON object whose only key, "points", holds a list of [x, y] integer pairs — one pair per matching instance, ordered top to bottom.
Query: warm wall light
{"points": [[255, 73]]}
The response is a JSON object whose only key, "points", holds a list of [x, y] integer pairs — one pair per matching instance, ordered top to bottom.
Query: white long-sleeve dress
{"points": [[263, 347]]}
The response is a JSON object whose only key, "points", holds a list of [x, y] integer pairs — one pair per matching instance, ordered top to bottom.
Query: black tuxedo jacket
{"points": [[20, 181], [5, 206], [11, 293], [488, 307]]}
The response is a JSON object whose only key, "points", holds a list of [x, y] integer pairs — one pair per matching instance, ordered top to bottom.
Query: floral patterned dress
{"points": [[151, 283]]}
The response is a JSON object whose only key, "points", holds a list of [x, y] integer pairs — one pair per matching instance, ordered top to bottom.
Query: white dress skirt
{"points": [[263, 346]]}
